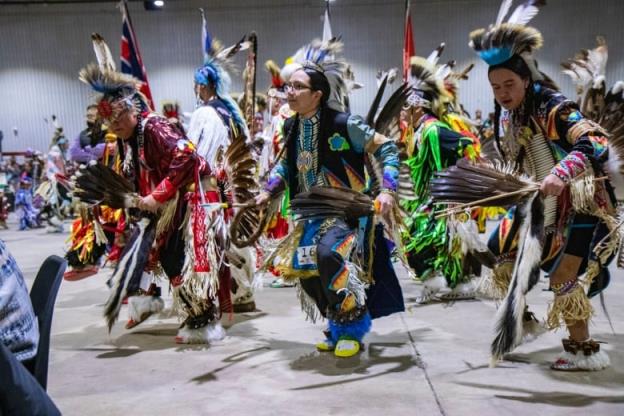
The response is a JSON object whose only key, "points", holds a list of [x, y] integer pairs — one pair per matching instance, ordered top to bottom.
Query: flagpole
{"points": [[408, 40], [145, 89]]}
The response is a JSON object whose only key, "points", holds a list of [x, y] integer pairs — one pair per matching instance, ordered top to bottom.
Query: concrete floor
{"points": [[430, 360]]}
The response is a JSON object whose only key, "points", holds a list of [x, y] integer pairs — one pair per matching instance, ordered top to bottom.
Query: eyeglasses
{"points": [[296, 86]]}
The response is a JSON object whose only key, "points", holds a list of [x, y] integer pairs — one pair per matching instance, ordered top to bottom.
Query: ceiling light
{"points": [[153, 4]]}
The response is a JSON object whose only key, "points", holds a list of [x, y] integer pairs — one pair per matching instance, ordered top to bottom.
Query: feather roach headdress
{"points": [[501, 41], [323, 56], [216, 68], [587, 70], [277, 82], [427, 82], [116, 92], [599, 104]]}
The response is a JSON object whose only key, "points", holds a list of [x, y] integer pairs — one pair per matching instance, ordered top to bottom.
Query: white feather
{"points": [[502, 11], [523, 14], [225, 52], [102, 53], [435, 55], [598, 59], [444, 71], [392, 75], [573, 75], [599, 81], [618, 88]]}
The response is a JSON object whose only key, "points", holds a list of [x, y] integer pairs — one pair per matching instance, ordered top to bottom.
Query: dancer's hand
{"points": [[552, 185], [262, 198], [149, 203], [383, 203]]}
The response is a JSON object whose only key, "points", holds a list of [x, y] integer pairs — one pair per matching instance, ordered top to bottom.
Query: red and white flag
{"points": [[131, 62]]}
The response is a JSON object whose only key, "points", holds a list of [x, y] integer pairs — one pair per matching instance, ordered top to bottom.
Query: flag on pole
{"points": [[327, 32], [206, 39], [408, 42], [131, 62]]}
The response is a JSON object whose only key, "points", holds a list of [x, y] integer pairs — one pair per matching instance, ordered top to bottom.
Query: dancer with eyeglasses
{"points": [[331, 256]]}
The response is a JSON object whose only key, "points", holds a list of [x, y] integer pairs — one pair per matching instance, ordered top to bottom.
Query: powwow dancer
{"points": [[278, 112], [217, 124], [546, 137], [53, 191], [171, 232], [434, 246], [87, 247], [330, 249]]}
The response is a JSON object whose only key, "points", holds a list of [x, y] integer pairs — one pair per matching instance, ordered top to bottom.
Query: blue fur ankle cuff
{"points": [[352, 330]]}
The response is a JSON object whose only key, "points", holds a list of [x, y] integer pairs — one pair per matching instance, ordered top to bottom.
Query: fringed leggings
{"points": [[333, 271]]}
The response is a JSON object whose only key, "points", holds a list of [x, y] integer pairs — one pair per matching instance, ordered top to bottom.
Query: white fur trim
{"points": [[529, 256], [244, 276], [436, 284], [432, 288], [464, 290], [140, 305], [531, 330], [204, 335], [580, 361]]}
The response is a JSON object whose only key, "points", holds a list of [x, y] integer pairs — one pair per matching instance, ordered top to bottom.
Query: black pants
{"points": [[20, 392]]}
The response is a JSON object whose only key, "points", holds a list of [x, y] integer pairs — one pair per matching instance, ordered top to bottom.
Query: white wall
{"points": [[42, 48]]}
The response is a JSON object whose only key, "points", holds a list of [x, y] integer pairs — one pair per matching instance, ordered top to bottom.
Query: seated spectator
{"points": [[20, 393]]}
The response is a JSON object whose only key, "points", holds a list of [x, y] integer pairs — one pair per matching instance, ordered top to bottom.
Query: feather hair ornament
{"points": [[500, 41], [102, 52], [324, 56], [434, 56], [216, 68], [274, 70], [108, 82], [427, 89], [116, 92]]}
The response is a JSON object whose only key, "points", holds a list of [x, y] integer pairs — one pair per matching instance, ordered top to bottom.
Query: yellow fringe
{"points": [[584, 127], [582, 196], [166, 215], [100, 235], [282, 257], [593, 268], [497, 284], [569, 308]]}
